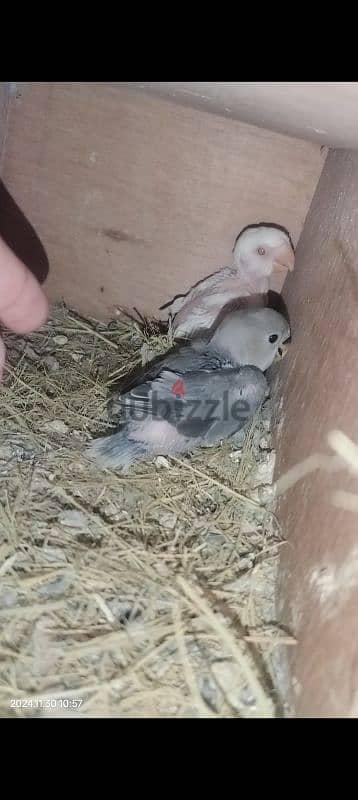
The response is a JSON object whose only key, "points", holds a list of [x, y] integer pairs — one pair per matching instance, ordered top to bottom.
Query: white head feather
{"points": [[262, 249]]}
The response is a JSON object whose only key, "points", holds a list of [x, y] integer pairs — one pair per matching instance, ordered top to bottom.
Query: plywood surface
{"points": [[4, 102], [325, 112], [135, 198], [319, 380]]}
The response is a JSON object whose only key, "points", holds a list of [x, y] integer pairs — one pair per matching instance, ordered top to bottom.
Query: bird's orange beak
{"points": [[284, 259]]}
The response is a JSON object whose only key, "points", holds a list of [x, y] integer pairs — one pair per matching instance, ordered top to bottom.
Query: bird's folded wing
{"points": [[211, 282], [199, 404]]}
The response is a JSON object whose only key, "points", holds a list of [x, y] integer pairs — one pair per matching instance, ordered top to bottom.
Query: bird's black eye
{"points": [[261, 251], [273, 338]]}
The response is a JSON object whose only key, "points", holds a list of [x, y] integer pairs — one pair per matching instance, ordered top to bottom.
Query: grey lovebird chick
{"points": [[259, 251], [199, 393]]}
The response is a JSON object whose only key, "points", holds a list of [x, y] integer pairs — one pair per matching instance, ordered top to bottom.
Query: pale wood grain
{"points": [[135, 198]]}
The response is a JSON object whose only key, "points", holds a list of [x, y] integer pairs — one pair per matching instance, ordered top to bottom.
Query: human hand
{"points": [[23, 304]]}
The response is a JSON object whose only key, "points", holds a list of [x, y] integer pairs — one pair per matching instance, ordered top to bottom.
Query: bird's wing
{"points": [[212, 281], [198, 355], [202, 404]]}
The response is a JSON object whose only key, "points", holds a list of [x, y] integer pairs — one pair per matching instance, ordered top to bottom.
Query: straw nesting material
{"points": [[145, 594]]}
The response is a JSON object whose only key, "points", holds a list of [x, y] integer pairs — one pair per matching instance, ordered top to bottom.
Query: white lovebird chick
{"points": [[259, 251], [198, 393]]}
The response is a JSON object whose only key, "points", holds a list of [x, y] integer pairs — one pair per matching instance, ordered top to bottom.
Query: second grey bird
{"points": [[200, 393]]}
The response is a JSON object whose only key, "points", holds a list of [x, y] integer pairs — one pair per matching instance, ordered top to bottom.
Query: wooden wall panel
{"points": [[4, 104], [325, 112], [135, 198], [319, 382]]}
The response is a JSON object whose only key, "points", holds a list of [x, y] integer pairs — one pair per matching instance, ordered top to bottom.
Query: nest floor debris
{"points": [[146, 594]]}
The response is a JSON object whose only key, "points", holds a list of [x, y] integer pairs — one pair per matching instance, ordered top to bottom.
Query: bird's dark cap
{"points": [[265, 225]]}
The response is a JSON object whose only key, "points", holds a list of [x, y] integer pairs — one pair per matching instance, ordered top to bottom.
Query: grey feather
{"points": [[241, 338], [221, 385], [218, 407], [117, 450]]}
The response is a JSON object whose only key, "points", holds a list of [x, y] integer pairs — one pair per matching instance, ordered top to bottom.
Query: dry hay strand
{"points": [[149, 594]]}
